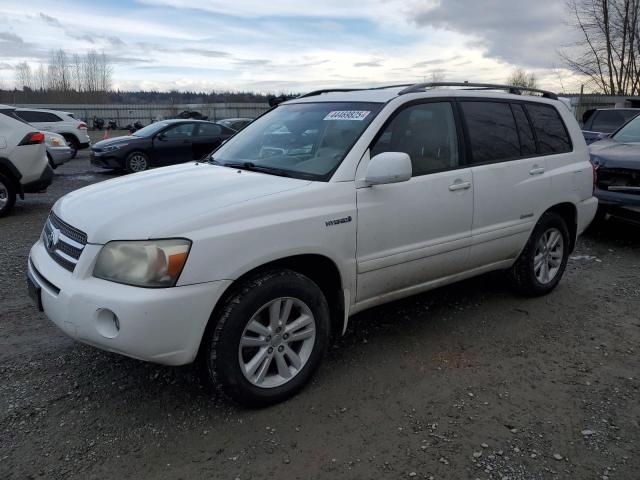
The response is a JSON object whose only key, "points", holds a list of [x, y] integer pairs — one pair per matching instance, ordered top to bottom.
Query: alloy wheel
{"points": [[138, 163], [4, 196], [547, 259], [277, 342]]}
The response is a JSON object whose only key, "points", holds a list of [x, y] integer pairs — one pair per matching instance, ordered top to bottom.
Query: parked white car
{"points": [[64, 123], [58, 151], [23, 161], [329, 204]]}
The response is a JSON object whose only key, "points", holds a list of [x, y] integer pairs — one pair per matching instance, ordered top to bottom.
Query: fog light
{"points": [[107, 323]]}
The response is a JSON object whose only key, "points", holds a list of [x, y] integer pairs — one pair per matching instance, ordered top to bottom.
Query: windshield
{"points": [[150, 129], [630, 132], [303, 140]]}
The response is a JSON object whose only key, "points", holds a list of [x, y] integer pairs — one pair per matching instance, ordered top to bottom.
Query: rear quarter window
{"points": [[36, 116], [550, 131]]}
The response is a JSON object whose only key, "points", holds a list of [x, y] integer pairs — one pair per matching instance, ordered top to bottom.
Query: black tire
{"points": [[74, 144], [132, 162], [51, 164], [7, 195], [523, 271], [219, 353]]}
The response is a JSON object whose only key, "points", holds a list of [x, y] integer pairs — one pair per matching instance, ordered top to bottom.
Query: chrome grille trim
{"points": [[63, 242]]}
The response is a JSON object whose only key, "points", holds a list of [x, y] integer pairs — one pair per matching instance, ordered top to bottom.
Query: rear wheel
{"points": [[73, 144], [137, 162], [51, 163], [7, 195], [544, 259], [268, 340]]}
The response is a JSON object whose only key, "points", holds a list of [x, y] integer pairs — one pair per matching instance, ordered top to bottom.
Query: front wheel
{"points": [[137, 162], [544, 259], [268, 339]]}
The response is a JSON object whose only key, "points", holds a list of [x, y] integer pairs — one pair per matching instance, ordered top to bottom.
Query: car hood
{"points": [[116, 140], [612, 154], [165, 202]]}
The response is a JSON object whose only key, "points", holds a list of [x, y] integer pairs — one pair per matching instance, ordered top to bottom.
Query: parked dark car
{"points": [[599, 123], [236, 124], [162, 143], [617, 161]]}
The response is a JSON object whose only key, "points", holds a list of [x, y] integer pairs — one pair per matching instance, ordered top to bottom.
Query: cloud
{"points": [[54, 22], [524, 33], [8, 37], [205, 53], [437, 61], [373, 63]]}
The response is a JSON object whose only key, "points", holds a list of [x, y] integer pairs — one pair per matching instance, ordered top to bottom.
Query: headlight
{"points": [[111, 148], [146, 263]]}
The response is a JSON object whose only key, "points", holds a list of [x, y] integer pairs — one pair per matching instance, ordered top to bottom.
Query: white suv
{"points": [[63, 123], [24, 167], [329, 204]]}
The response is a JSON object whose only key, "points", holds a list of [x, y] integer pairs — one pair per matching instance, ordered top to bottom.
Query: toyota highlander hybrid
{"points": [[329, 204]]}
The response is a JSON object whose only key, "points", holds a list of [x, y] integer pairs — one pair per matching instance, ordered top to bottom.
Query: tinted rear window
{"points": [[36, 116], [609, 121], [549, 129], [492, 131]]}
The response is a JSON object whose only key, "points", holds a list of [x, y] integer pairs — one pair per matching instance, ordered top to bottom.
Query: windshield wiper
{"points": [[252, 167]]}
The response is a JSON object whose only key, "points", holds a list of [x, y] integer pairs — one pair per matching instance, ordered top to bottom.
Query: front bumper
{"points": [[105, 160], [625, 206], [162, 325]]}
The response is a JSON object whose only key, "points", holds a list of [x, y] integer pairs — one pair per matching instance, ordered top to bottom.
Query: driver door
{"points": [[174, 144], [415, 232]]}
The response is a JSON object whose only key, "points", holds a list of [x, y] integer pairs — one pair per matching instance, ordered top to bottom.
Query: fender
{"points": [[7, 166]]}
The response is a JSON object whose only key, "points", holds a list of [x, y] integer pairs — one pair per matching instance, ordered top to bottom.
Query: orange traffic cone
{"points": [[106, 134]]}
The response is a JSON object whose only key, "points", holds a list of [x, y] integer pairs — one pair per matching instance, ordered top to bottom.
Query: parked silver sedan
{"points": [[58, 151]]}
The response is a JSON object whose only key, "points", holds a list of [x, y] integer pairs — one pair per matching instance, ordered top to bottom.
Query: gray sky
{"points": [[293, 45]]}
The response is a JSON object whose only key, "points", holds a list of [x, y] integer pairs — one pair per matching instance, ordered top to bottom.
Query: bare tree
{"points": [[608, 54], [76, 72], [23, 76], [40, 78], [521, 78]]}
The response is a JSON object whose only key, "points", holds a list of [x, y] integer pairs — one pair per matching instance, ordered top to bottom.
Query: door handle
{"points": [[536, 170], [459, 185]]}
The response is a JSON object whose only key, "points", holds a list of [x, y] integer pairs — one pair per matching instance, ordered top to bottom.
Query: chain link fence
{"points": [[124, 114]]}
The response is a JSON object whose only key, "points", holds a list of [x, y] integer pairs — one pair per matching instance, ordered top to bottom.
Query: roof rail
{"points": [[514, 89], [329, 90]]}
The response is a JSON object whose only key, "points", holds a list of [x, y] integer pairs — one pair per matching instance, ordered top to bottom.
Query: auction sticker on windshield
{"points": [[358, 115]]}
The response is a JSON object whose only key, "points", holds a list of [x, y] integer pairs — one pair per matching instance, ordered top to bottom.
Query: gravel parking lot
{"points": [[468, 381]]}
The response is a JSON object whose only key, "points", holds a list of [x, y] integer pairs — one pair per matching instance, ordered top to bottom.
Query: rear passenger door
{"points": [[509, 178]]}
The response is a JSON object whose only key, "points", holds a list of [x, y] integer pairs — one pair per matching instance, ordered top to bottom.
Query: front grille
{"points": [[619, 180], [63, 242]]}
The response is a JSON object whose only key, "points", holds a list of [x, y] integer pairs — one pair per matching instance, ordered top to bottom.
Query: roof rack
{"points": [[514, 89], [329, 90]]}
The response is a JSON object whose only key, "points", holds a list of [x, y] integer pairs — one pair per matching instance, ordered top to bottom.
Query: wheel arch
{"points": [[71, 137], [9, 170], [569, 214], [319, 268]]}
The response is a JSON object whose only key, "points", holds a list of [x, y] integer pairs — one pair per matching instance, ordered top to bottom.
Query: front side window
{"points": [[549, 128], [427, 133], [630, 133], [493, 134], [302, 140]]}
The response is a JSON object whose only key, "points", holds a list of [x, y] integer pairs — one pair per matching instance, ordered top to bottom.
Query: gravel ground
{"points": [[468, 381]]}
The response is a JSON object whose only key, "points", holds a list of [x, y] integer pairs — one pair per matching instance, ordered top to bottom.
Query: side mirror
{"points": [[388, 167]]}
